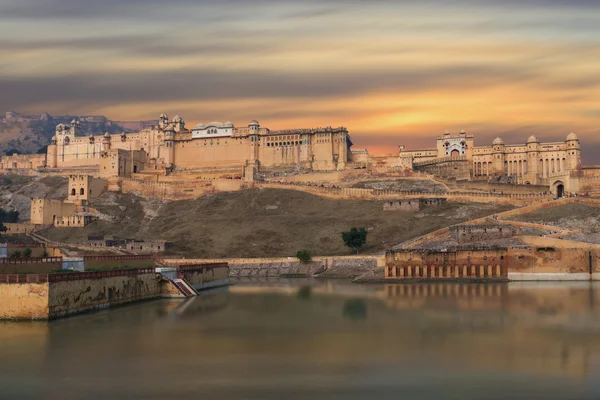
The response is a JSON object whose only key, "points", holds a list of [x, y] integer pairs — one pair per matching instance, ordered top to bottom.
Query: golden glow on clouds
{"points": [[391, 71]]}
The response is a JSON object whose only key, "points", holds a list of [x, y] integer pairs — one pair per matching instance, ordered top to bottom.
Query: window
{"points": [[81, 191], [73, 193]]}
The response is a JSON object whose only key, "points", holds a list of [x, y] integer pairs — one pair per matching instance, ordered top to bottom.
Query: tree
{"points": [[11, 152], [9, 216], [2, 227], [355, 238], [27, 253], [15, 254], [304, 256]]}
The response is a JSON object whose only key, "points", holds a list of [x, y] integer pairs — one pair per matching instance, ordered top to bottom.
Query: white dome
{"points": [[253, 122], [572, 136], [532, 139], [498, 141]]}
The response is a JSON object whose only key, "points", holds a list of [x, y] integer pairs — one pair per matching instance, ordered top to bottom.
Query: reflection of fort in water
{"points": [[533, 327]]}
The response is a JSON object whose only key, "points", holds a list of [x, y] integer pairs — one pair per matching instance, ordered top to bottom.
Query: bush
{"points": [[355, 238], [27, 253], [15, 254], [304, 256]]}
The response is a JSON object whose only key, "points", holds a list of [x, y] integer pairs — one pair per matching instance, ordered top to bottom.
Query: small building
{"points": [[84, 188], [413, 205], [476, 233]]}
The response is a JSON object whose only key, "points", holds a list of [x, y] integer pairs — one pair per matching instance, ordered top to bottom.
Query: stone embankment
{"points": [[323, 267]]}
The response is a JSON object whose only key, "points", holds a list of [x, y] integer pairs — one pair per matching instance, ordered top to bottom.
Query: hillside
{"points": [[28, 134], [16, 191], [264, 223]]}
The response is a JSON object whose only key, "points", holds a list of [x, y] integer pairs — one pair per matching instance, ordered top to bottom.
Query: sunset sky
{"points": [[391, 71]]}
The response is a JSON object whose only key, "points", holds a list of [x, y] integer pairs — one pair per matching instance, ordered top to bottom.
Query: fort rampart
{"points": [[31, 296]]}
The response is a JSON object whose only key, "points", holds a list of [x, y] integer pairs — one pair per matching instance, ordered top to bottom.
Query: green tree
{"points": [[11, 152], [9, 216], [2, 227], [355, 238], [27, 253], [15, 254], [304, 256]]}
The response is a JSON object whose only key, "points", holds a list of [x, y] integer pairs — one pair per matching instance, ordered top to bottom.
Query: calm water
{"points": [[282, 340]]}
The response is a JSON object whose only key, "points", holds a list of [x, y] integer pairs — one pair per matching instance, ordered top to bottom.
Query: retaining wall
{"points": [[141, 261], [338, 266]]}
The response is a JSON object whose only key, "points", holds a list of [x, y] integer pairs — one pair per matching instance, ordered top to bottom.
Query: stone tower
{"points": [[253, 130], [106, 142], [168, 151], [573, 152], [51, 154], [498, 154], [533, 166]]}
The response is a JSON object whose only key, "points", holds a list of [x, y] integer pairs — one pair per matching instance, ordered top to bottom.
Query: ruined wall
{"points": [[75, 296], [24, 300]]}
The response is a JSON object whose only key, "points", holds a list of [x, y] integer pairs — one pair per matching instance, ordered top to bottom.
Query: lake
{"points": [[319, 339]]}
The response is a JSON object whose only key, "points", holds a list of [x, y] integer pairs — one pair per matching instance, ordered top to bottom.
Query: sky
{"points": [[391, 71]]}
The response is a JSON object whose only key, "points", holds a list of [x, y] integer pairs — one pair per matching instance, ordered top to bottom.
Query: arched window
{"points": [[135, 169], [81, 191], [73, 193]]}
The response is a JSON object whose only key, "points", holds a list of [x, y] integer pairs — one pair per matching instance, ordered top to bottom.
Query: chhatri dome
{"points": [[572, 136], [532, 139], [497, 141]]}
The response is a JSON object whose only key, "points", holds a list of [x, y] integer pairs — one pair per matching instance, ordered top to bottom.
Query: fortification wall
{"points": [[501, 187], [177, 190], [15, 228], [103, 262], [516, 263], [37, 265], [93, 291], [24, 300]]}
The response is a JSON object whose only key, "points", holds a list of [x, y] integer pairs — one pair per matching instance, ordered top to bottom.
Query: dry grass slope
{"points": [[265, 223]]}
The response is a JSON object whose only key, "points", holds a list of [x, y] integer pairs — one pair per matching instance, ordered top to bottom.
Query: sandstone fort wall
{"points": [[79, 294], [24, 300]]}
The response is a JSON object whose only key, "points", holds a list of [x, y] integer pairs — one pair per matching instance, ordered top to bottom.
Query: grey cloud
{"points": [[46, 9], [179, 85]]}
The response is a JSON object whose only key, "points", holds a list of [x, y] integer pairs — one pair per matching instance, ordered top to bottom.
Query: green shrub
{"points": [[355, 238], [304, 256]]}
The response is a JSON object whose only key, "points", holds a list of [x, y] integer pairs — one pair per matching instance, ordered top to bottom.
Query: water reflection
{"points": [[267, 339]]}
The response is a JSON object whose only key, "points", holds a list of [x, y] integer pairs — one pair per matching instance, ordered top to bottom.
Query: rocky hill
{"points": [[29, 134]]}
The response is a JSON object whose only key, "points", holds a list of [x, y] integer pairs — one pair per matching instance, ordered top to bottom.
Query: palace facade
{"points": [[171, 146], [536, 163]]}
